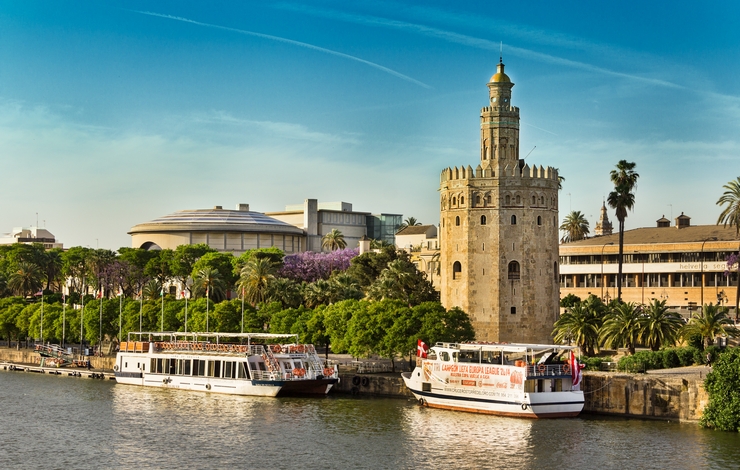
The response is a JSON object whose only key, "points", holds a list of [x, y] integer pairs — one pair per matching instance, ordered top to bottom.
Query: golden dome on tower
{"points": [[500, 76]]}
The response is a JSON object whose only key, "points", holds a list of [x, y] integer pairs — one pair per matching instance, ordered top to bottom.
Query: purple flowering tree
{"points": [[310, 266]]}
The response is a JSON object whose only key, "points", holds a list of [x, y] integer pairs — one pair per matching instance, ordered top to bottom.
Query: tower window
{"points": [[489, 199], [508, 199], [462, 200], [477, 200], [518, 200], [534, 200], [542, 200], [454, 201], [457, 220], [483, 220], [513, 220], [539, 220], [456, 270], [514, 272], [513, 310]]}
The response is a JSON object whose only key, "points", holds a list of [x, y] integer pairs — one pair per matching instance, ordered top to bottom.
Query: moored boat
{"points": [[259, 364], [521, 380]]}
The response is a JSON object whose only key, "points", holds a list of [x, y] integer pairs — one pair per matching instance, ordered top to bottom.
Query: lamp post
{"points": [[701, 261], [602, 269]]}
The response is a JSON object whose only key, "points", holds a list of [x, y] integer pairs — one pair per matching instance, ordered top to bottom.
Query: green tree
{"points": [[622, 199], [730, 215], [409, 222], [574, 227], [333, 240], [273, 253], [183, 261], [223, 262], [53, 263], [76, 267], [159, 267], [367, 267], [26, 279], [255, 280], [401, 280], [208, 282], [286, 291], [569, 301], [10, 308], [336, 320], [710, 323], [439, 324], [579, 324], [659, 326], [622, 327], [723, 387]]}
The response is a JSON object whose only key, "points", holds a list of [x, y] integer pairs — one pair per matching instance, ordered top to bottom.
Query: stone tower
{"points": [[603, 226], [499, 232]]}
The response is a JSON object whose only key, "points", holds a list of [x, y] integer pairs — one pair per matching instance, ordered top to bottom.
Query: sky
{"points": [[115, 113]]}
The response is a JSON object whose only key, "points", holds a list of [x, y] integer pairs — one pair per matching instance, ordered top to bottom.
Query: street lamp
{"points": [[602, 269]]}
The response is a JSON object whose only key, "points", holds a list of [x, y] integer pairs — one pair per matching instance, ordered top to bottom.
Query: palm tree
{"points": [[560, 179], [622, 199], [731, 215], [409, 222], [575, 227], [334, 240], [26, 279], [255, 280], [209, 281], [152, 289], [712, 322], [581, 325], [622, 327], [659, 327]]}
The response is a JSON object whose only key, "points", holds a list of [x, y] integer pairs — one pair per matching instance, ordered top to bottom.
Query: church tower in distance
{"points": [[499, 232]]}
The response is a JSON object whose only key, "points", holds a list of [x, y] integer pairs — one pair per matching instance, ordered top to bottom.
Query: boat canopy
{"points": [[195, 336]]}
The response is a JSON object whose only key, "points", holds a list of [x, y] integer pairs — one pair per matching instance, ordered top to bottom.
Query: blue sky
{"points": [[114, 113]]}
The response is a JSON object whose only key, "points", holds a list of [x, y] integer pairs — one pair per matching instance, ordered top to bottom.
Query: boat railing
{"points": [[548, 370]]}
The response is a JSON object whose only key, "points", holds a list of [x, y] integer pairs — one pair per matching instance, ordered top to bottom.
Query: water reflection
{"points": [[65, 423]]}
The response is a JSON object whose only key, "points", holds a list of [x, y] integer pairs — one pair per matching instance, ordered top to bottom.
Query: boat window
{"points": [[432, 355], [445, 356], [454, 356], [491, 357], [125, 364], [261, 365], [287, 365], [298, 365], [159, 366], [199, 367], [214, 368], [170, 369], [178, 370], [186, 370], [227, 370], [243, 370]]}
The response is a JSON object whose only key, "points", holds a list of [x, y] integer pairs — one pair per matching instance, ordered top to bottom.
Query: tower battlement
{"points": [[498, 109], [513, 171]]}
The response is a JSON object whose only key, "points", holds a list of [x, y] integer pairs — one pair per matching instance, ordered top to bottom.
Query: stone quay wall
{"points": [[29, 356], [652, 396]]}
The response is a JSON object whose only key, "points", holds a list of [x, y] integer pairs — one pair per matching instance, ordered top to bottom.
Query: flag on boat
{"points": [[421, 348], [575, 371]]}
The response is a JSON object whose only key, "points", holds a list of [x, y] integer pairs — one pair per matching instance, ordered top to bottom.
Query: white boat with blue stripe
{"points": [[261, 364], [520, 380]]}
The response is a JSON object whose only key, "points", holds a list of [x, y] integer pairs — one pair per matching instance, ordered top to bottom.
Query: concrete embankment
{"points": [[30, 357], [377, 385]]}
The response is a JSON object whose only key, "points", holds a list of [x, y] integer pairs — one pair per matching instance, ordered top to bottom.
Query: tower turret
{"points": [[499, 124]]}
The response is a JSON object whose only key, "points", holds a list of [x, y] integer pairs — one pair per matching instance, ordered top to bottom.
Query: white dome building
{"points": [[233, 231]]}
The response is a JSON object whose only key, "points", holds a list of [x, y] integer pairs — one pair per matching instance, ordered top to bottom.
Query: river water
{"points": [[60, 422]]}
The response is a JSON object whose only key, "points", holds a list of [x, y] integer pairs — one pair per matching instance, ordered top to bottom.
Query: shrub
{"points": [[686, 356], [670, 359], [594, 363], [723, 386]]}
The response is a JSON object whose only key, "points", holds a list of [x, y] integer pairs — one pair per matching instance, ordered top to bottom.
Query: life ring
{"points": [[276, 348], [242, 349], [300, 349], [115, 368], [541, 368], [566, 368], [299, 372], [328, 372], [356, 380], [365, 381], [208, 386], [422, 402], [524, 407]]}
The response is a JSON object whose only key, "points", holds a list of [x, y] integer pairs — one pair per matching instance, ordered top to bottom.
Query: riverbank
{"points": [[671, 394]]}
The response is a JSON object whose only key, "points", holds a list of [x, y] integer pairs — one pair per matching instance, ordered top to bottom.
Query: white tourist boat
{"points": [[260, 364], [521, 380]]}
